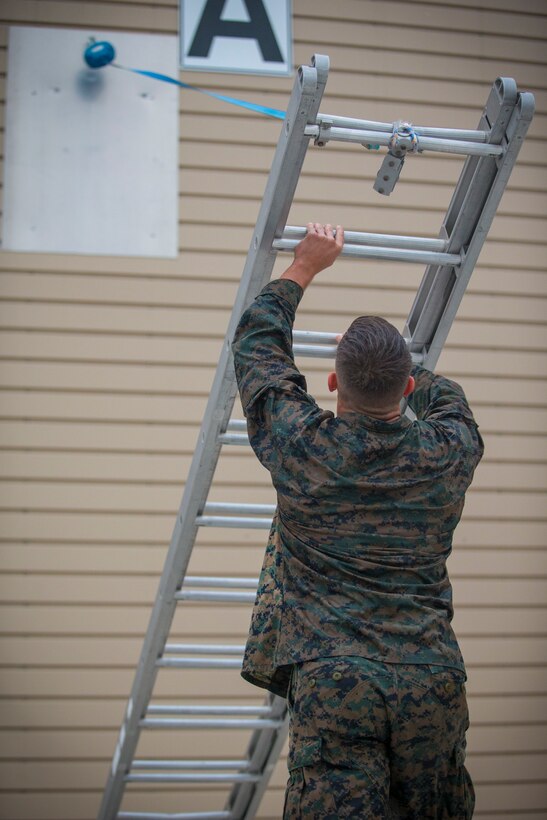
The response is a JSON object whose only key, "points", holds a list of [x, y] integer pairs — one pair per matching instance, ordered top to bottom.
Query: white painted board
{"points": [[91, 161]]}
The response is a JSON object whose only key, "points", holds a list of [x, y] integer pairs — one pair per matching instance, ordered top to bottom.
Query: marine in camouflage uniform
{"points": [[352, 620]]}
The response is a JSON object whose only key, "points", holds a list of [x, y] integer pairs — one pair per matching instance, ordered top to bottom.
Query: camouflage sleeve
{"points": [[273, 391], [438, 399]]}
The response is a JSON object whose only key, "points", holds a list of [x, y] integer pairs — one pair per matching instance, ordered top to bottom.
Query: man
{"points": [[352, 617]]}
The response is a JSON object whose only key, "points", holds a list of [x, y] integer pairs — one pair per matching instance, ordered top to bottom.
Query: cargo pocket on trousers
{"points": [[308, 793]]}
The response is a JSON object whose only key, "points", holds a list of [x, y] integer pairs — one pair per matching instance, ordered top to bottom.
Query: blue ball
{"points": [[97, 55]]}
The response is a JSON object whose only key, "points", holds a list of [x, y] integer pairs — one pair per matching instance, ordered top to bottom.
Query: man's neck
{"points": [[382, 414]]}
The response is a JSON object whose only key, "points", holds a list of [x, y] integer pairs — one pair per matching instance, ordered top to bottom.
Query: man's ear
{"points": [[332, 382], [411, 384]]}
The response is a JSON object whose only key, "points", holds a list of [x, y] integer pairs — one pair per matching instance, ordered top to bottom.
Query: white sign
{"points": [[238, 36], [91, 154]]}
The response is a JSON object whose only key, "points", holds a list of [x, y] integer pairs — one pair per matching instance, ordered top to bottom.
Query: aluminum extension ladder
{"points": [[491, 153]]}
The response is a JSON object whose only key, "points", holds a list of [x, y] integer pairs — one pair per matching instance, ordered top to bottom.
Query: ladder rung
{"points": [[421, 130], [444, 146], [383, 240], [387, 254], [315, 351], [237, 426], [234, 438], [228, 508], [236, 516], [233, 522], [220, 582], [208, 595], [203, 649], [218, 650], [200, 663], [176, 709], [196, 723], [182, 765], [187, 777], [193, 815]]}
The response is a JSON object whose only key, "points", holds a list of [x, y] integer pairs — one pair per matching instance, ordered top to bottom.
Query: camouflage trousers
{"points": [[372, 741]]}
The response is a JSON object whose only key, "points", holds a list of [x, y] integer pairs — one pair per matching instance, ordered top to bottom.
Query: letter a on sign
{"points": [[239, 36]]}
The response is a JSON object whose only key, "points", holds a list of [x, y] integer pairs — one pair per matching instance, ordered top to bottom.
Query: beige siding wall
{"points": [[106, 364]]}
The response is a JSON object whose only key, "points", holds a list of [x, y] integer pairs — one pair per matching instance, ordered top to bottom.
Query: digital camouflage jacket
{"points": [[366, 509]]}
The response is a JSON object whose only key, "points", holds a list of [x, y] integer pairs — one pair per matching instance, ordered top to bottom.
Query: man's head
{"points": [[372, 366]]}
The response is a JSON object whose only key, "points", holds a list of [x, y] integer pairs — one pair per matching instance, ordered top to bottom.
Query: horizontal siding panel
{"points": [[367, 10], [93, 15], [437, 15], [354, 32], [357, 34], [364, 56], [355, 90], [343, 164], [249, 179], [359, 191], [210, 263], [199, 288], [183, 321], [177, 348], [174, 351], [157, 379], [153, 409], [161, 409], [502, 450], [150, 470], [153, 484], [146, 493], [88, 527], [123, 527], [113, 559], [99, 589], [500, 591], [492, 620], [202, 622], [497, 650], [124, 651], [116, 682], [523, 709], [94, 714], [484, 739], [48, 744], [507, 767], [92, 774], [521, 797], [47, 806], [84, 806]]}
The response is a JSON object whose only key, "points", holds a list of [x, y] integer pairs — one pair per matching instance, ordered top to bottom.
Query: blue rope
{"points": [[259, 109]]}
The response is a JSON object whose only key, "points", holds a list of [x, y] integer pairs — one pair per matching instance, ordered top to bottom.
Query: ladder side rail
{"points": [[517, 129], [284, 174], [466, 224], [431, 297], [263, 753]]}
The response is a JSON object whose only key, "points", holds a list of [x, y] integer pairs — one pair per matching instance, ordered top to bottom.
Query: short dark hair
{"points": [[372, 363]]}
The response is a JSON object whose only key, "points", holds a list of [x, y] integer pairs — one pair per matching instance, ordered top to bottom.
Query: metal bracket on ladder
{"points": [[492, 150]]}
